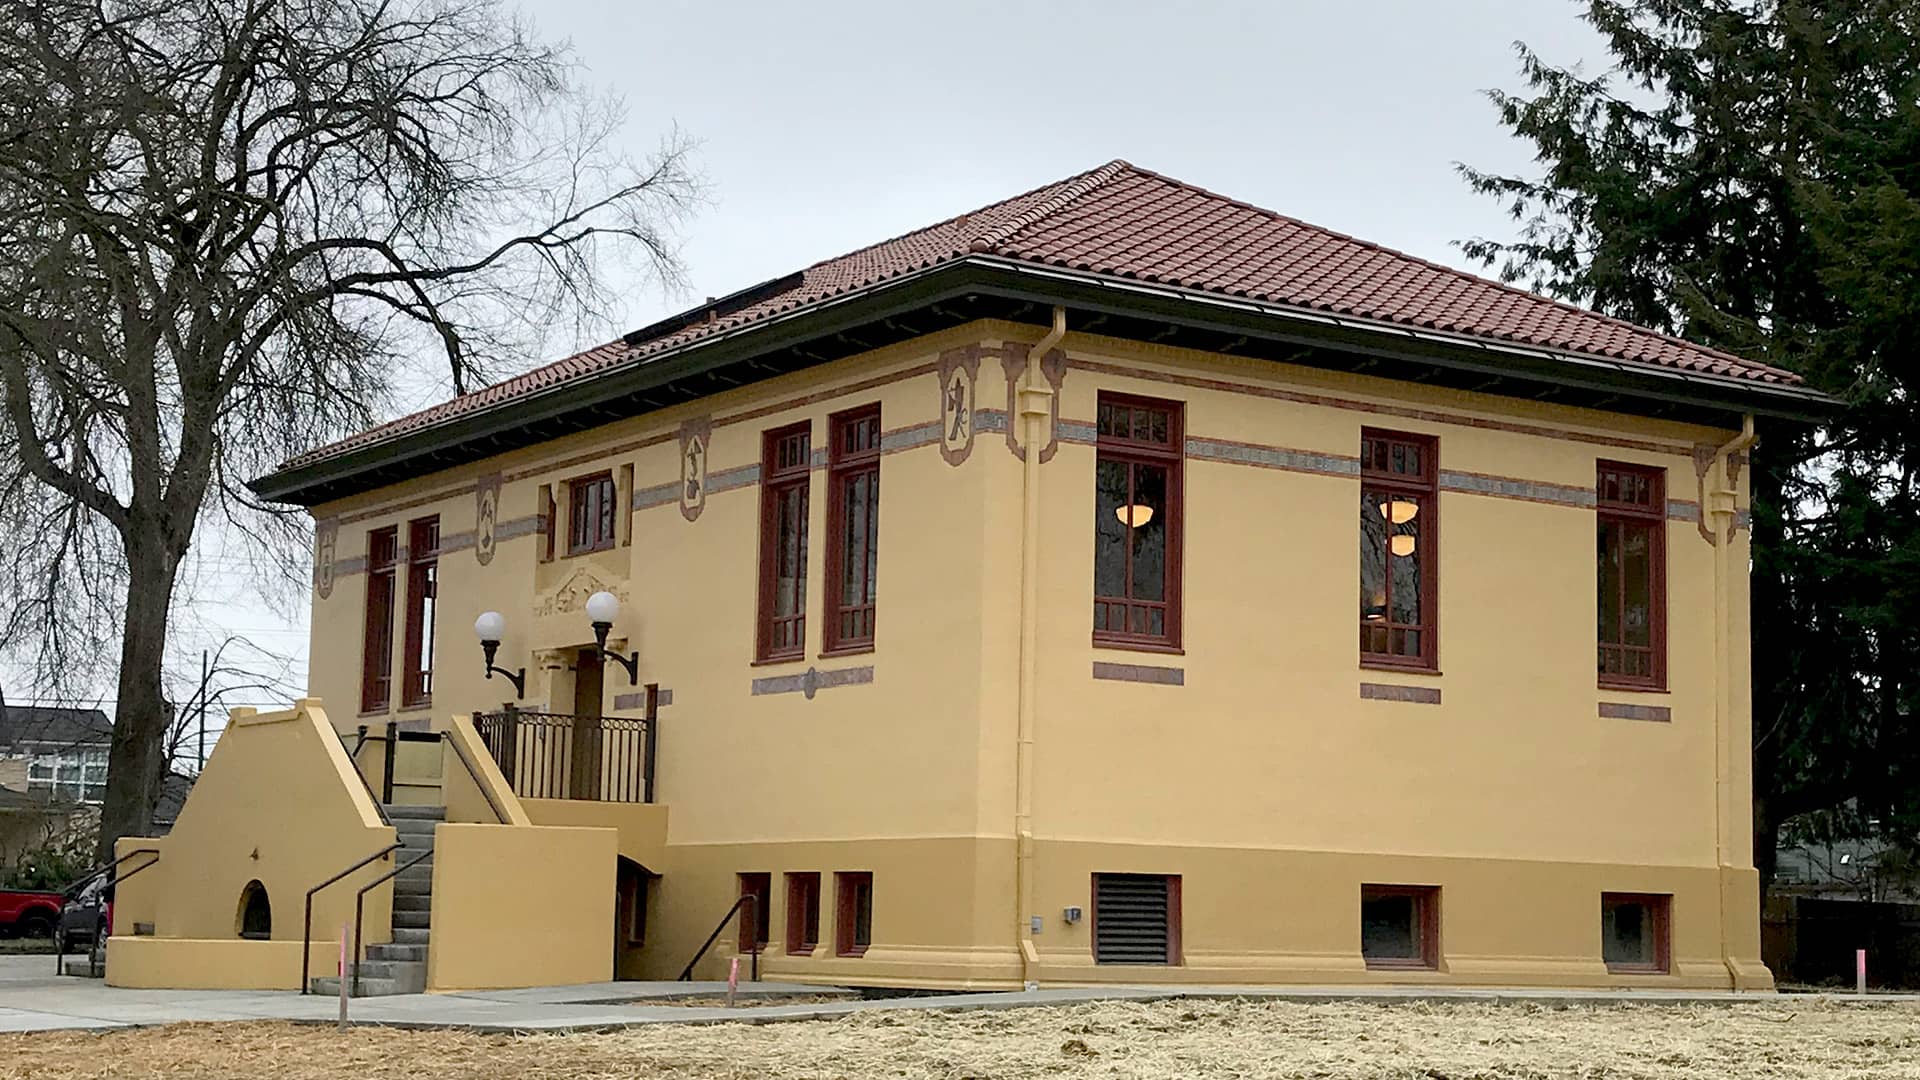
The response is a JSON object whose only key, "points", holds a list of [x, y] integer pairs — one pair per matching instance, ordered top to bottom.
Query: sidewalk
{"points": [[33, 998]]}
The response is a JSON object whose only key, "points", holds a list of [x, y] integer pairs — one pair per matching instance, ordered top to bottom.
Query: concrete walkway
{"points": [[33, 998]]}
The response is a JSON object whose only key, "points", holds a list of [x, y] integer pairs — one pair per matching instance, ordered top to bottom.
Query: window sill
{"points": [[586, 551], [1139, 646], [849, 650], [776, 661], [1398, 669], [1630, 688], [416, 706], [377, 710], [808, 951], [852, 954], [1388, 964], [1637, 969]]}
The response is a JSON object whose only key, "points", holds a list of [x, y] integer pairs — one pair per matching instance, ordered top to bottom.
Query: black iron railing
{"points": [[559, 756], [73, 890], [747, 908], [306, 923]]}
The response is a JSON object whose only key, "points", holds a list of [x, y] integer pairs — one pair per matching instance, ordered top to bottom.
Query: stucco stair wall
{"points": [[400, 967]]}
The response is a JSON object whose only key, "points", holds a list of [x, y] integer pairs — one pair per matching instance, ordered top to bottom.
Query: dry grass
{"points": [[1172, 1039]]}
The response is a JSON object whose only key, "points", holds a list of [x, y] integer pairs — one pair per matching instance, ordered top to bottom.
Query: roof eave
{"points": [[1082, 290], [1488, 355]]}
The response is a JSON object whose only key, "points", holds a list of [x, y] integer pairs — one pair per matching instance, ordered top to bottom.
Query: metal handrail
{"points": [[353, 758], [474, 773], [73, 889], [359, 900], [751, 903], [306, 926], [96, 953]]}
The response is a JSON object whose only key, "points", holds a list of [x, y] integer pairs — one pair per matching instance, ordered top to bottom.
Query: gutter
{"points": [[1035, 406], [1722, 511]]}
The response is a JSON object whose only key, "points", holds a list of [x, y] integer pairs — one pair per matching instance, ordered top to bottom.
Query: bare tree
{"points": [[224, 226]]}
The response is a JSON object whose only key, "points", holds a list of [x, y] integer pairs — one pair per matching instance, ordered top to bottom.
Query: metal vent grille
{"points": [[1131, 919]]}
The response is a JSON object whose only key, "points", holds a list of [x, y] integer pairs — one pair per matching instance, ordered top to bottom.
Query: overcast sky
{"points": [[825, 126]]}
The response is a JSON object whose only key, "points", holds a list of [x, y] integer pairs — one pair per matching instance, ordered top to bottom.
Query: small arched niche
{"points": [[256, 913]]}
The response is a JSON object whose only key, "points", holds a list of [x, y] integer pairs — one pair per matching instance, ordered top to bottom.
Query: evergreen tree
{"points": [[1747, 175]]}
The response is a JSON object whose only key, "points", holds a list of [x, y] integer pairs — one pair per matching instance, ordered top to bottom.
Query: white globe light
{"points": [[602, 607], [490, 626]]}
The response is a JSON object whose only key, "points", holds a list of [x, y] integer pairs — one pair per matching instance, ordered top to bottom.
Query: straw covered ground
{"points": [[1788, 1039]]}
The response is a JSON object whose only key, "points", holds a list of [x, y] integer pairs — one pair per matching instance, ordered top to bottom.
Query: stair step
{"points": [[397, 814], [413, 883], [403, 901], [411, 920], [411, 935], [408, 954], [393, 969], [408, 983]]}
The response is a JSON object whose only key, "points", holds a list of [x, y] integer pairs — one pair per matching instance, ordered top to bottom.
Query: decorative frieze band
{"points": [[1271, 457], [514, 528], [1141, 673], [812, 680], [1419, 695], [624, 702], [1614, 710]]}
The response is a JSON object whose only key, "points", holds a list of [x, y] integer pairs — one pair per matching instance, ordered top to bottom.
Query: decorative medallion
{"points": [[1053, 368], [959, 375], [696, 437], [486, 517], [326, 539]]}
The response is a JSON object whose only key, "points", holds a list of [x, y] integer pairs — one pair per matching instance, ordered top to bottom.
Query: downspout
{"points": [[1035, 409], [1724, 509]]}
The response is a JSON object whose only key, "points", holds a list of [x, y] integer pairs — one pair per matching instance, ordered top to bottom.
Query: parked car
{"points": [[29, 913], [87, 916]]}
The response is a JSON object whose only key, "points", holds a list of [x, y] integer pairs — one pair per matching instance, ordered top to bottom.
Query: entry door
{"points": [[587, 755]]}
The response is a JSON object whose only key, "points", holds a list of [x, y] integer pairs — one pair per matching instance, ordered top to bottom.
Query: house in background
{"points": [[1116, 584], [63, 750], [53, 776]]}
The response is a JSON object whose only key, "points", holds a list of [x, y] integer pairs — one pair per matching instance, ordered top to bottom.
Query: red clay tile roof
{"points": [[1123, 221]]}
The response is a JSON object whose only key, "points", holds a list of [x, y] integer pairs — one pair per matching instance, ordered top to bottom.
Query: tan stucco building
{"points": [[1115, 584]]}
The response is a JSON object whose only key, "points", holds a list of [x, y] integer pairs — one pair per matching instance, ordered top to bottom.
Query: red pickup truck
{"points": [[29, 914]]}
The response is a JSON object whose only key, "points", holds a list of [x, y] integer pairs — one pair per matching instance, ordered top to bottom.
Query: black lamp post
{"points": [[603, 607], [490, 627]]}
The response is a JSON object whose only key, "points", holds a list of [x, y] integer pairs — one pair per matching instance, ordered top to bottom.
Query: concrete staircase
{"points": [[401, 967]]}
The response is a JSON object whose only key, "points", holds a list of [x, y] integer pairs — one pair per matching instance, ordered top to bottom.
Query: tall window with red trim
{"points": [[786, 454], [591, 509], [1631, 517], [1136, 523], [853, 528], [1399, 550], [423, 599], [376, 655]]}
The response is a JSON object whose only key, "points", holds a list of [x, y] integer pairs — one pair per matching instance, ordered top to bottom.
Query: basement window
{"points": [[803, 913], [756, 915], [1136, 918], [853, 921], [1400, 926], [1636, 933]]}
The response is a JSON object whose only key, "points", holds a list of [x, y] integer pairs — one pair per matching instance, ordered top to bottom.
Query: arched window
{"points": [[256, 914]]}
